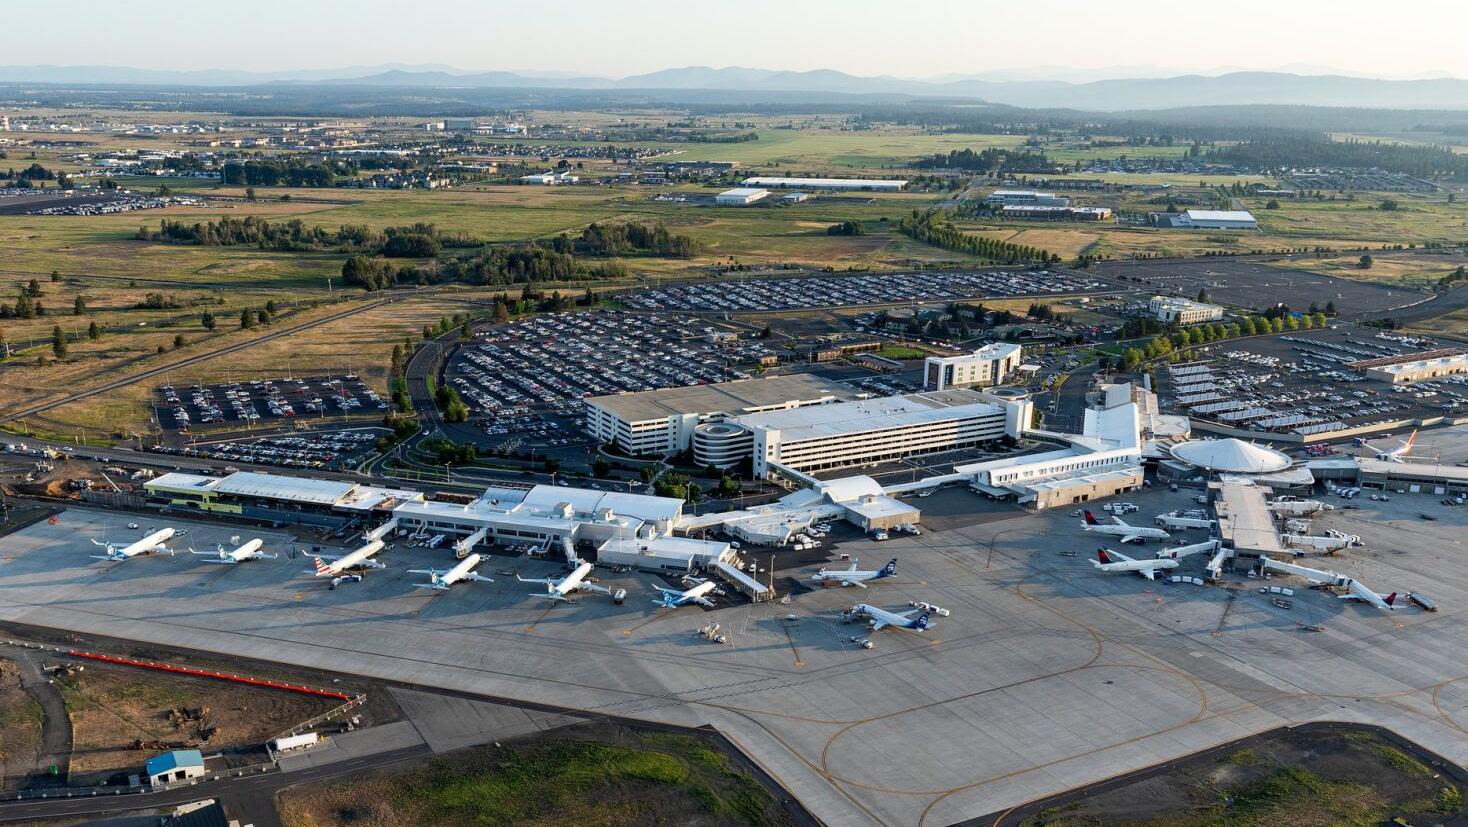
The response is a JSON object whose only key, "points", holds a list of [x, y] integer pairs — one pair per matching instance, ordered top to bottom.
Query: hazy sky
{"points": [[911, 38]]}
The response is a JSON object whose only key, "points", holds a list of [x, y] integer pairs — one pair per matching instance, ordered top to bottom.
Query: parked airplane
{"points": [[1396, 454], [1118, 528], [151, 544], [248, 551], [359, 559], [1109, 561], [852, 577], [441, 580], [557, 588], [1356, 591], [672, 598], [914, 619]]}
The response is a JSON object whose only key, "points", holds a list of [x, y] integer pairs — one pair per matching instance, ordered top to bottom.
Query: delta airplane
{"points": [[1396, 454], [1118, 528], [151, 544], [248, 551], [359, 559], [1109, 561], [852, 577], [442, 580], [558, 588], [1356, 591], [672, 598], [914, 619]]}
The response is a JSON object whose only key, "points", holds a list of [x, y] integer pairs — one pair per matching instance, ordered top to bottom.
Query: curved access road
{"points": [[134, 378]]}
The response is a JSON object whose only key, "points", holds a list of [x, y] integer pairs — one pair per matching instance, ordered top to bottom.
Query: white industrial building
{"points": [[549, 179], [872, 184], [741, 196], [1033, 198], [1211, 220], [1175, 310], [989, 365], [1407, 368], [661, 422], [846, 434]]}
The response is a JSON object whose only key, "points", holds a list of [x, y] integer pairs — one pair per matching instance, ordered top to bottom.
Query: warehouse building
{"points": [[869, 184], [741, 196], [1032, 198], [1208, 220], [1175, 310], [989, 365], [1407, 368], [662, 422], [841, 435], [172, 767]]}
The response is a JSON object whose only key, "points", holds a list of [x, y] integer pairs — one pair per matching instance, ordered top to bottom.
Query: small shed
{"points": [[177, 765]]}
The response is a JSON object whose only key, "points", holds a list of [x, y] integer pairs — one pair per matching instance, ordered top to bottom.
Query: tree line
{"points": [[991, 160], [933, 227]]}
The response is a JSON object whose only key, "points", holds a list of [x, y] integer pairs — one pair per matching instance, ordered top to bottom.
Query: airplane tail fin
{"points": [[1090, 518], [1102, 556], [321, 567], [891, 567], [1391, 599], [921, 622]]}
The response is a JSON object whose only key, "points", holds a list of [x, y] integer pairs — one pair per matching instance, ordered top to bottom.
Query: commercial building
{"points": [[549, 179], [871, 184], [741, 196], [1033, 198], [1044, 213], [1208, 220], [1174, 310], [989, 365], [1407, 368], [661, 422], [841, 435]]}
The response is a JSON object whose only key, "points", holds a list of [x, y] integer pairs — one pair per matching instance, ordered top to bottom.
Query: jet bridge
{"points": [[381, 531], [462, 547]]}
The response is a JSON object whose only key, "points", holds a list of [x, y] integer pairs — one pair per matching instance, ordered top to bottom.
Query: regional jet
{"points": [[1398, 453], [1118, 528], [153, 543], [248, 551], [359, 559], [1109, 561], [852, 577], [442, 580], [559, 588], [1356, 591], [672, 598], [914, 619]]}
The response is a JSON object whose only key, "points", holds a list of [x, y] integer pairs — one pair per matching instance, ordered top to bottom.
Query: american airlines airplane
{"points": [[1398, 453], [1118, 528], [153, 543], [248, 551], [359, 559], [1109, 561], [852, 577], [442, 580], [559, 588], [672, 598], [914, 619]]}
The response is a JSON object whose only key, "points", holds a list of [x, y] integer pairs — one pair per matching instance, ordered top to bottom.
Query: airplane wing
{"points": [[1119, 521], [1127, 538], [1120, 558], [226, 561], [429, 572], [1149, 572], [478, 578], [544, 581], [855, 582], [592, 587], [703, 601], [878, 625]]}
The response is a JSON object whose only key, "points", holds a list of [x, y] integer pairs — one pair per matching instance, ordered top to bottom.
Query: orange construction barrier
{"points": [[204, 673]]}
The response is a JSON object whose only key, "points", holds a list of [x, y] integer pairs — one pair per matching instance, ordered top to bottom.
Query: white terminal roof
{"points": [[743, 192], [1220, 215], [727, 397], [871, 414], [1231, 456], [299, 489]]}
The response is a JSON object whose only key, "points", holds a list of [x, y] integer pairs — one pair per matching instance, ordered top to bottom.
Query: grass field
{"points": [[595, 778]]}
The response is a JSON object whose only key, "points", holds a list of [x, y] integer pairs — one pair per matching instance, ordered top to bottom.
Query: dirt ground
{"points": [[122, 715], [20, 727], [1327, 775]]}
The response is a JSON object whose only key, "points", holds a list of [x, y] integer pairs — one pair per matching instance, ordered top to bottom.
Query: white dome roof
{"points": [[1231, 455]]}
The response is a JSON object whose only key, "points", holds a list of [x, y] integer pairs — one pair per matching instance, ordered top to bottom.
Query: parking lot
{"points": [[1261, 286], [753, 295], [513, 373], [1298, 383], [249, 402], [330, 449]]}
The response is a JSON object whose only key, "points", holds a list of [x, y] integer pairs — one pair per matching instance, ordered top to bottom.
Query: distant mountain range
{"points": [[1014, 88]]}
